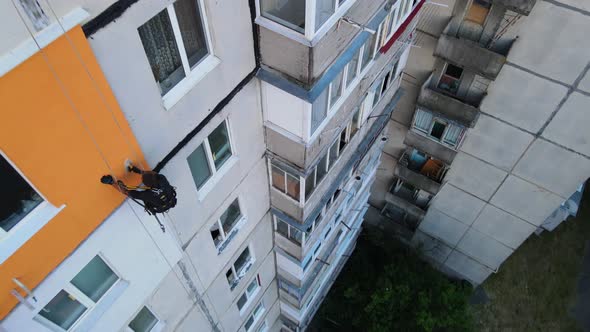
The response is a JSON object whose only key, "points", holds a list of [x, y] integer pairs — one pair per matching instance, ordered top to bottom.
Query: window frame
{"points": [[311, 34], [197, 69], [443, 74], [448, 124], [215, 173], [285, 175], [304, 235], [226, 238], [241, 273], [79, 296], [250, 296], [256, 316], [156, 328]]}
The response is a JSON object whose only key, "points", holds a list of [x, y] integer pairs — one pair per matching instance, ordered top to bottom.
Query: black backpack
{"points": [[163, 197]]}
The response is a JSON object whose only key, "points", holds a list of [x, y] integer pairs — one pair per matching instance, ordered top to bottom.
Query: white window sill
{"points": [[185, 85], [446, 145], [212, 182], [26, 228], [224, 244]]}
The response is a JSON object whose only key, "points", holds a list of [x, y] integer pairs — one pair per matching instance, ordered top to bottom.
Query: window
{"points": [[324, 10], [478, 11], [35, 13], [290, 13], [174, 42], [368, 51], [352, 68], [451, 79], [336, 88], [319, 110], [355, 125], [439, 129], [208, 157], [285, 181], [18, 197], [223, 227], [288, 231], [240, 267], [83, 292], [248, 294], [255, 317], [144, 321], [263, 327]]}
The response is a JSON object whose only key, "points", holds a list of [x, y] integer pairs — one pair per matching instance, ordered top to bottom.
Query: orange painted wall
{"points": [[43, 135]]}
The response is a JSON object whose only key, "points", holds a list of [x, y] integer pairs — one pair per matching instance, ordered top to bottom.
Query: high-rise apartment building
{"points": [[268, 117], [491, 139]]}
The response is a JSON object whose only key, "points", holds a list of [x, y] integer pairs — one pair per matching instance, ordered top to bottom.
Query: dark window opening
{"points": [[437, 130], [18, 197]]}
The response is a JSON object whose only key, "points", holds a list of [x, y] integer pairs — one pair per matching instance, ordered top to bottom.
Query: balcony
{"points": [[522, 7], [470, 55], [451, 107], [430, 147], [422, 171]]}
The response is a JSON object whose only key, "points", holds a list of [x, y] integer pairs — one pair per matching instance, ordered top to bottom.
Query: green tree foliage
{"points": [[386, 287]]}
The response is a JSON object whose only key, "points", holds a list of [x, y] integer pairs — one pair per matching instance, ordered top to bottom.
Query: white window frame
{"points": [[309, 37], [442, 74], [191, 75], [447, 124], [215, 173], [284, 193], [30, 224], [236, 227], [289, 227], [240, 274], [250, 296], [80, 297], [256, 316], [263, 327], [157, 328]]}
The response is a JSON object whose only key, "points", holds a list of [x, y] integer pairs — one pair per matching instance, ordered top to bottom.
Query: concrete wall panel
{"points": [[514, 97], [569, 127], [495, 142], [553, 168], [475, 176], [526, 200], [457, 204], [438, 224], [503, 226], [484, 248], [471, 270]]}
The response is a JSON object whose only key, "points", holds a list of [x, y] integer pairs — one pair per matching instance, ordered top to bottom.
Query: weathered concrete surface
{"points": [[523, 7], [553, 42], [470, 55], [585, 82], [515, 98], [449, 107], [569, 127], [396, 133], [495, 142], [429, 146], [550, 166], [474, 176], [417, 179], [383, 180], [526, 200], [458, 204], [408, 207], [502, 226], [443, 227], [430, 247], [484, 248], [473, 271]]}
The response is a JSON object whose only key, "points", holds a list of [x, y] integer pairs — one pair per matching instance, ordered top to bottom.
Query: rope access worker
{"points": [[156, 193]]}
